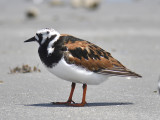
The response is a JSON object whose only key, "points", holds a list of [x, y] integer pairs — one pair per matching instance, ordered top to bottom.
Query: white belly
{"points": [[73, 73]]}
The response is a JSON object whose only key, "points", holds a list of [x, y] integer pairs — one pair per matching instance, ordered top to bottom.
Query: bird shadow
{"points": [[87, 105]]}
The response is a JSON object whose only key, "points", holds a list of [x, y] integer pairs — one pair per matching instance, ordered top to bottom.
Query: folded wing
{"points": [[93, 58]]}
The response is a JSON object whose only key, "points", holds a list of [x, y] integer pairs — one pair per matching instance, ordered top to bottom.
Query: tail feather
{"points": [[119, 72]]}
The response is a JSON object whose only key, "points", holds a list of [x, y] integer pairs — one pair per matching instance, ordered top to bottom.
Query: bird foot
{"points": [[64, 103], [77, 104]]}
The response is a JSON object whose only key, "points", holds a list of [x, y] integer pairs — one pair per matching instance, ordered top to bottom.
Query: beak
{"points": [[31, 39]]}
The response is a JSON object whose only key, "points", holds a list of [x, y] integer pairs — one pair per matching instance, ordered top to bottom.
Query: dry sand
{"points": [[129, 30]]}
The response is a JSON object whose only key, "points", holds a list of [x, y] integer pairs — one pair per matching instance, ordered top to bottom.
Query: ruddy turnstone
{"points": [[77, 61]]}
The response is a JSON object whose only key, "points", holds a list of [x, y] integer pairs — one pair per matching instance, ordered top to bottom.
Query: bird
{"points": [[77, 61]]}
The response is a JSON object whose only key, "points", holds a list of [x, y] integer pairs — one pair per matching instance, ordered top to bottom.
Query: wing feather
{"points": [[93, 58]]}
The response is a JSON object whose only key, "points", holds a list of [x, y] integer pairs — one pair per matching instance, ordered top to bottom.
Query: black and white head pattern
{"points": [[47, 37]]}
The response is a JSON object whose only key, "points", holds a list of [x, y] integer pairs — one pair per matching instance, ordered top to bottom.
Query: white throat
{"points": [[50, 47]]}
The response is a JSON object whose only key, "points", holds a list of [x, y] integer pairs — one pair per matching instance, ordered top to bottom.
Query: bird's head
{"points": [[45, 36]]}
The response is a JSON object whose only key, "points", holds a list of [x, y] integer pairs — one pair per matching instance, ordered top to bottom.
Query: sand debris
{"points": [[32, 13], [24, 69]]}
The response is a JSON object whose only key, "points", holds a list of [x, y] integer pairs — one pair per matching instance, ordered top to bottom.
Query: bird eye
{"points": [[47, 32]]}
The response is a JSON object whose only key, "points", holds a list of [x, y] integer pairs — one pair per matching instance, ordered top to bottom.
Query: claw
{"points": [[71, 101], [59, 103], [63, 103], [77, 104]]}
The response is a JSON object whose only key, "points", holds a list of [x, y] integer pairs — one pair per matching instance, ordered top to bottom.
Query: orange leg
{"points": [[83, 98], [69, 101]]}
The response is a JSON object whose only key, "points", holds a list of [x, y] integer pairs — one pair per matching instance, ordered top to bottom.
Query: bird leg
{"points": [[83, 98], [69, 101]]}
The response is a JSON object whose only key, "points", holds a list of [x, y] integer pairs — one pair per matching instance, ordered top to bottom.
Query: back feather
{"points": [[93, 58]]}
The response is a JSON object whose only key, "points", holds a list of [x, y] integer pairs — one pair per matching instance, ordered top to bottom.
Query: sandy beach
{"points": [[130, 31]]}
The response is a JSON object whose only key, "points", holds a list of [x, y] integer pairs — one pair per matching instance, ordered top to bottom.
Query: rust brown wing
{"points": [[93, 58]]}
